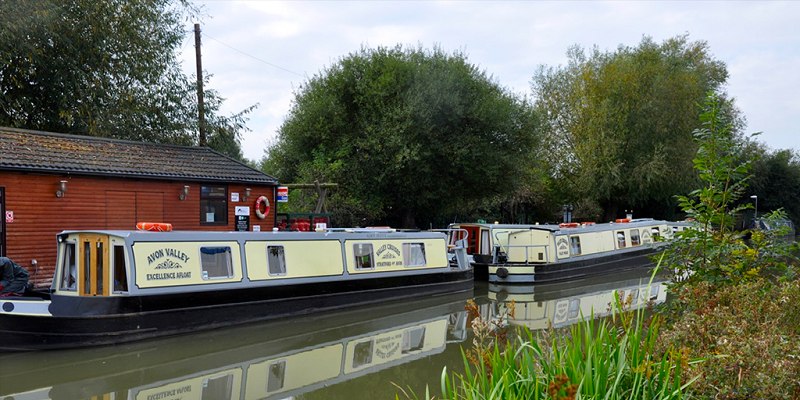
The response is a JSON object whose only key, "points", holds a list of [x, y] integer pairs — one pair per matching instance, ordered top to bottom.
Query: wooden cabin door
{"points": [[93, 275]]}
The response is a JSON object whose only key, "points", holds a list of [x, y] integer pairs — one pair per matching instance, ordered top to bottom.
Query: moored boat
{"points": [[546, 253], [118, 286], [557, 305], [288, 358]]}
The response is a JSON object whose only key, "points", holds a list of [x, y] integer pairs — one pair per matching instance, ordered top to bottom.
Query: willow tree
{"points": [[618, 125], [408, 134]]}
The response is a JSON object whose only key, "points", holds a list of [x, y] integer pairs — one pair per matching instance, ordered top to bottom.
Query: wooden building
{"points": [[51, 182]]}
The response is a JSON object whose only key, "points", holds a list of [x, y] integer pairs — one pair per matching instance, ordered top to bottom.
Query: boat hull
{"points": [[572, 269], [92, 321]]}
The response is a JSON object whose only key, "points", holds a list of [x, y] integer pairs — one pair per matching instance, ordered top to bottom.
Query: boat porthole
{"points": [[502, 272], [8, 307]]}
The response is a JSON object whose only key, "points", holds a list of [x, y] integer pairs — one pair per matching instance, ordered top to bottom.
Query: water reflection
{"points": [[561, 304], [355, 354], [275, 360]]}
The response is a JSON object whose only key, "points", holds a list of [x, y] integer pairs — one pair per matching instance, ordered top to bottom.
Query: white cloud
{"points": [[288, 42]]}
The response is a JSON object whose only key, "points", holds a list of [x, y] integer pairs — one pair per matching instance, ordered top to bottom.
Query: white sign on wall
{"points": [[9, 217]]}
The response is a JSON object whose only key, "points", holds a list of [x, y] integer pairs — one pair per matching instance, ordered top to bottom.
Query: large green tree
{"points": [[104, 68], [618, 125], [409, 135], [776, 182]]}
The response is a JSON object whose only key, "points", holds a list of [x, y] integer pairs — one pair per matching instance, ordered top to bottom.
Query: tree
{"points": [[102, 68], [618, 126], [409, 135], [776, 182], [713, 251]]}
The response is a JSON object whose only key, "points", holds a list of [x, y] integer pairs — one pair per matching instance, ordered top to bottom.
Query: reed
{"points": [[610, 358]]}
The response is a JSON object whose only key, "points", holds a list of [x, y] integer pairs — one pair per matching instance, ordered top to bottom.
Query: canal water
{"points": [[360, 353]]}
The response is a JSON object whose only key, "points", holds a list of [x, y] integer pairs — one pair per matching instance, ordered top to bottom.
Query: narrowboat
{"points": [[546, 253], [116, 286], [556, 305], [293, 357]]}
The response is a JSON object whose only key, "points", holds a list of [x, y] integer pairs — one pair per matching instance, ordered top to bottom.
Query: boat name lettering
{"points": [[562, 246], [167, 252], [394, 252], [389, 263], [169, 275], [385, 350], [170, 393]]}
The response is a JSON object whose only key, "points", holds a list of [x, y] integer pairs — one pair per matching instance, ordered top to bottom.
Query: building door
{"points": [[3, 222], [93, 275]]}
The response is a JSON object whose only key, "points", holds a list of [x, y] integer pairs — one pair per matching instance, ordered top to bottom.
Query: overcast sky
{"points": [[262, 51]]}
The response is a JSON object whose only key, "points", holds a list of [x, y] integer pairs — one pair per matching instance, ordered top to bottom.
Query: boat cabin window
{"points": [[213, 205], [656, 234], [635, 237], [620, 239], [485, 242], [575, 245], [88, 246], [363, 253], [414, 255], [276, 260], [216, 262], [69, 268], [120, 272], [413, 339], [362, 354], [277, 372], [220, 387]]}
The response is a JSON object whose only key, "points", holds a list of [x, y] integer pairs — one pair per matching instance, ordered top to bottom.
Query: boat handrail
{"points": [[459, 246]]}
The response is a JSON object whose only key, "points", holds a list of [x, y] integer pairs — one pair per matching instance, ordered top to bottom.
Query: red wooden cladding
{"points": [[103, 203]]}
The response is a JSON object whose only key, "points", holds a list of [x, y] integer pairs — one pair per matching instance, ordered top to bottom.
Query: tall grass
{"points": [[610, 358]]}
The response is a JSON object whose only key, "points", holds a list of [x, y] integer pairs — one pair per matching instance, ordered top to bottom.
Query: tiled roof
{"points": [[24, 150]]}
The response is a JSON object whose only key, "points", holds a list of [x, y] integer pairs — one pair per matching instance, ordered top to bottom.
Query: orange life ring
{"points": [[259, 201], [622, 220], [568, 225], [154, 226]]}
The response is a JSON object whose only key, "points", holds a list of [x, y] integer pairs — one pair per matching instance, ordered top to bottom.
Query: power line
{"points": [[254, 57]]}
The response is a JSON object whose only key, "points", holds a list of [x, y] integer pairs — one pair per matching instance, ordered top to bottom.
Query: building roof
{"points": [[35, 151]]}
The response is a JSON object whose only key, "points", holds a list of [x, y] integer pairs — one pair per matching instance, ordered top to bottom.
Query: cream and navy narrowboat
{"points": [[547, 253], [117, 286], [280, 359]]}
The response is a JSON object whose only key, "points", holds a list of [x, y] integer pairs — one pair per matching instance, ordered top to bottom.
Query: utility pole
{"points": [[201, 117]]}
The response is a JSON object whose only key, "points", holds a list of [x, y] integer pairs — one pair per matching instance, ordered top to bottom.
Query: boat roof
{"points": [[634, 223], [339, 233]]}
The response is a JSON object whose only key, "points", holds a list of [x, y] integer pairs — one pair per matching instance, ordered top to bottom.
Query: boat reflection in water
{"points": [[557, 305], [265, 361]]}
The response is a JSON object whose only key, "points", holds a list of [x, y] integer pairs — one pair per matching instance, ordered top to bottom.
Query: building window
{"points": [[213, 205], [635, 237], [620, 239], [575, 245], [363, 253], [414, 255], [276, 260], [216, 262], [69, 268]]}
